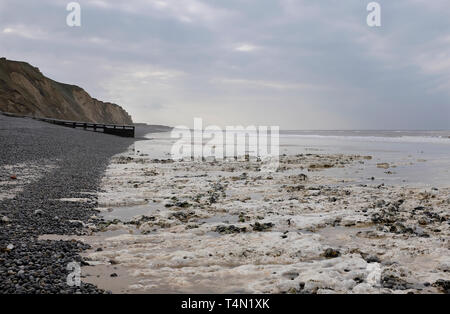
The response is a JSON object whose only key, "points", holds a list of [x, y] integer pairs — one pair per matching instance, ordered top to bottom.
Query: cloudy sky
{"points": [[299, 64]]}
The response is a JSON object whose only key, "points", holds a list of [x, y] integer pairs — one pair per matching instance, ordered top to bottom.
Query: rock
{"points": [[383, 165], [13, 177], [302, 177], [298, 178], [295, 188], [183, 204], [38, 212], [182, 216], [242, 217], [5, 219], [423, 221], [262, 226], [400, 228], [229, 229], [10, 247], [331, 253], [372, 259], [113, 275], [390, 281], [443, 285]]}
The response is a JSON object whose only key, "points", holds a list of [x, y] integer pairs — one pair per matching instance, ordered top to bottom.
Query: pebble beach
{"points": [[44, 171]]}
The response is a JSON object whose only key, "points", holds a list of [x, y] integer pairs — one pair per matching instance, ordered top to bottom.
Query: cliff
{"points": [[25, 90]]}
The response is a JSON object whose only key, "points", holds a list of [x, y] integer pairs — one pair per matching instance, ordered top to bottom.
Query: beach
{"points": [[365, 214], [333, 218]]}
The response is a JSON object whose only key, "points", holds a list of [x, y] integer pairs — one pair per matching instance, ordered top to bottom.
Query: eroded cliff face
{"points": [[25, 90]]}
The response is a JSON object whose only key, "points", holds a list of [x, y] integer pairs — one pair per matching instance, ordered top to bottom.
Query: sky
{"points": [[297, 64]]}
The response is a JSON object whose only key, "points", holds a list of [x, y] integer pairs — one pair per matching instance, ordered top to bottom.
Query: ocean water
{"points": [[416, 158]]}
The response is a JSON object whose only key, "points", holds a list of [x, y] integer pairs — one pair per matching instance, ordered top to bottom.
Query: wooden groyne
{"points": [[114, 129]]}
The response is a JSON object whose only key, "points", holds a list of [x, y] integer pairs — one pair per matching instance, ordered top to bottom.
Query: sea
{"points": [[415, 158]]}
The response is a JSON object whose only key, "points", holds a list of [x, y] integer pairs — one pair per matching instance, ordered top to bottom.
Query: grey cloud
{"points": [[299, 64]]}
